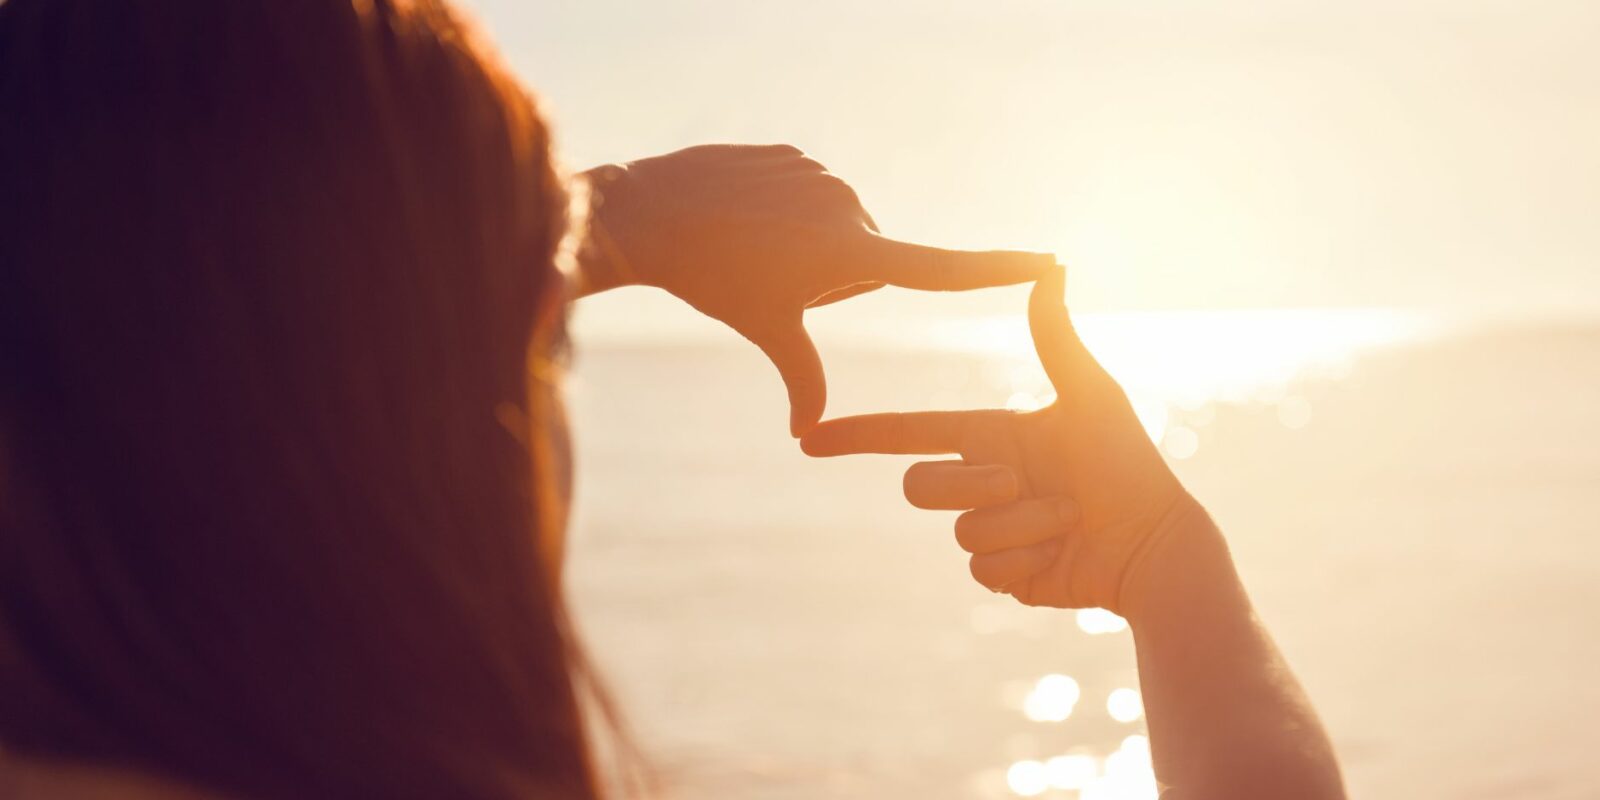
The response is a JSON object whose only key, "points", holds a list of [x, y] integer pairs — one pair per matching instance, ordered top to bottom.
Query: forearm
{"points": [[1227, 718]]}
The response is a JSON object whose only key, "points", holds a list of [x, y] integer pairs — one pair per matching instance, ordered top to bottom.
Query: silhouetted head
{"points": [[279, 294]]}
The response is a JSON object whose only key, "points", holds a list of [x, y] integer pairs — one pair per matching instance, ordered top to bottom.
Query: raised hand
{"points": [[755, 235], [1066, 502]]}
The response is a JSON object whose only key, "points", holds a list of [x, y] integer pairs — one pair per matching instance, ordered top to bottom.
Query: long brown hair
{"points": [[268, 496]]}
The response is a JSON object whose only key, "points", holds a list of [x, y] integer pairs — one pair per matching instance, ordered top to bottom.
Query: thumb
{"points": [[790, 349], [1060, 351]]}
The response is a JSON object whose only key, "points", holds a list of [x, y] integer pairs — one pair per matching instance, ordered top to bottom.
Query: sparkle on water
{"points": [[1190, 357], [1176, 364], [1096, 621], [1052, 699], [1125, 705], [1072, 771], [1123, 774], [1028, 777]]}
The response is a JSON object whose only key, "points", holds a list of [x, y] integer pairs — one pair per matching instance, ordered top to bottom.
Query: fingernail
{"points": [[1002, 482], [1067, 511]]}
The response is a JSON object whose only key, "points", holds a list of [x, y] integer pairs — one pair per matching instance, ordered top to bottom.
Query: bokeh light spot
{"points": [[1180, 442], [1095, 621], [1052, 699], [1125, 705], [1071, 771], [1028, 778]]}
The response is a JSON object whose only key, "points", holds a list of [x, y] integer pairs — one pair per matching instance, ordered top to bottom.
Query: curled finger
{"points": [[954, 485], [1018, 524], [1001, 569]]}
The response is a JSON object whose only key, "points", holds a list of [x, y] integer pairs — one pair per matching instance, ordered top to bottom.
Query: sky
{"points": [[1175, 155]]}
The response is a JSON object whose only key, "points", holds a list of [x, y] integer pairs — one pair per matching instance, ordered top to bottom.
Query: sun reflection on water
{"points": [[1198, 356], [1176, 364], [1096, 621], [1052, 699], [1125, 705], [1072, 771], [1123, 774], [1028, 778]]}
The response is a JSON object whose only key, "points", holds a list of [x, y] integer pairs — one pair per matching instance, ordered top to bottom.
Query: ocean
{"points": [[1411, 499]]}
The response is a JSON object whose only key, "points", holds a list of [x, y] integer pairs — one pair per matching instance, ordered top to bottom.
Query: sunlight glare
{"points": [[1189, 358], [1023, 401], [1153, 416], [1180, 442], [1096, 621], [1052, 699], [1125, 705], [1071, 771], [1027, 778]]}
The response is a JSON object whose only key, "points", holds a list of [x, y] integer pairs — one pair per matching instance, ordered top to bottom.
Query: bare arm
{"points": [[1227, 717]]}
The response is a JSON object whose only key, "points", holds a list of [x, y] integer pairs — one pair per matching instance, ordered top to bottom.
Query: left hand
{"points": [[755, 235]]}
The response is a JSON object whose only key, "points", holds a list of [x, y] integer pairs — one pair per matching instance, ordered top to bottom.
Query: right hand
{"points": [[1090, 497]]}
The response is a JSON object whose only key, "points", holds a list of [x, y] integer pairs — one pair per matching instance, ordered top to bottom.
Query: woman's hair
{"points": [[269, 455]]}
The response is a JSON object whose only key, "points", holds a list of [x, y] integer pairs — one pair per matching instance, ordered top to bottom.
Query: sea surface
{"points": [[1412, 500]]}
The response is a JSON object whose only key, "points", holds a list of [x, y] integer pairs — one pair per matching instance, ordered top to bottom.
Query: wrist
{"points": [[602, 264], [1185, 561]]}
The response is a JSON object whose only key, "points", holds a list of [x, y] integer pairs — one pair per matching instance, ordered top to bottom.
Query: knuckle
{"points": [[799, 380]]}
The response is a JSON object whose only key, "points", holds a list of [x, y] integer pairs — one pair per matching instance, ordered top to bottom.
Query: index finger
{"points": [[917, 266], [910, 433]]}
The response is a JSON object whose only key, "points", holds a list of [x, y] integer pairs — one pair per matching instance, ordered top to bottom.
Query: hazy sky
{"points": [[1214, 154]]}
